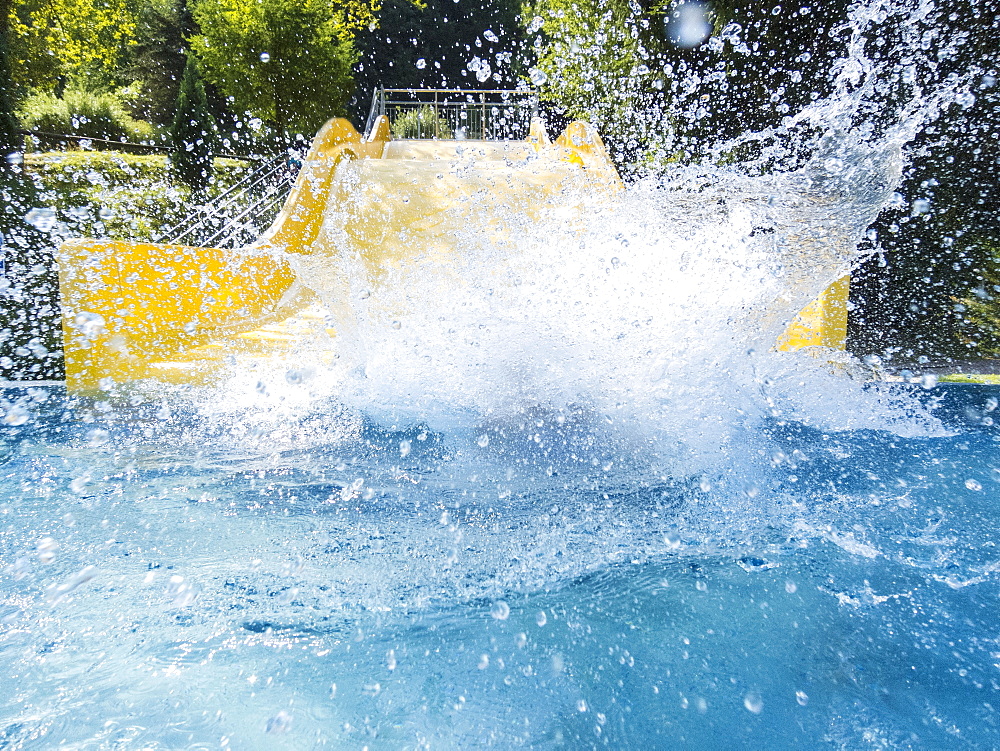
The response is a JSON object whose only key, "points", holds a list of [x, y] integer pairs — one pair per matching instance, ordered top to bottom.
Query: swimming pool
{"points": [[172, 579]]}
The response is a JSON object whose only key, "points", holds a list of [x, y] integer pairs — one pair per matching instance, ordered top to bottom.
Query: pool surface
{"points": [[170, 578]]}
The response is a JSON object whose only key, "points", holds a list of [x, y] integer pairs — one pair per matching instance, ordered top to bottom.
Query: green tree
{"points": [[84, 42], [159, 58], [287, 62], [593, 63], [193, 132], [10, 136], [30, 336]]}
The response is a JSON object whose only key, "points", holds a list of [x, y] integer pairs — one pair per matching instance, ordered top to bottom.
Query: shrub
{"points": [[82, 113], [420, 123], [111, 194]]}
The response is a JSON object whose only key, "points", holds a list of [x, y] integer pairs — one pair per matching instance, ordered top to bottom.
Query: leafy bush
{"points": [[83, 113], [420, 123], [112, 194], [982, 305]]}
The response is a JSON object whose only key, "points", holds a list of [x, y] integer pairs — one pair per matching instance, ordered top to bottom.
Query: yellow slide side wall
{"points": [[156, 300], [125, 304], [822, 323]]}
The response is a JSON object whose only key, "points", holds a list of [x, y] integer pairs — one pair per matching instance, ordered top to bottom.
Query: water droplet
{"points": [[536, 23], [688, 26], [489, 36], [265, 57], [421, 63], [483, 71], [538, 77], [965, 99], [41, 219], [90, 325], [397, 325], [294, 376], [928, 381], [16, 414], [97, 437], [483, 441], [404, 448], [79, 483], [973, 484], [672, 540], [46, 550], [292, 567], [701, 585], [791, 587], [57, 591], [182, 593], [500, 610], [541, 619], [390, 659], [484, 662], [802, 698], [753, 702], [581, 705], [280, 723]]}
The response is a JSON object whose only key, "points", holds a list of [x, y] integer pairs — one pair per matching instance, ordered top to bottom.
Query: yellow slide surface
{"points": [[177, 314]]}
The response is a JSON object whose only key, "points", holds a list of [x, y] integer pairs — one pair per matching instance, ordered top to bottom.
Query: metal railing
{"points": [[487, 115], [239, 215]]}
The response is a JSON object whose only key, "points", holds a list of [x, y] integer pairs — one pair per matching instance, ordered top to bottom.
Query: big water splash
{"points": [[656, 314]]}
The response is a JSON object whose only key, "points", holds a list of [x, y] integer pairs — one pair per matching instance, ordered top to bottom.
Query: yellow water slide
{"points": [[180, 314]]}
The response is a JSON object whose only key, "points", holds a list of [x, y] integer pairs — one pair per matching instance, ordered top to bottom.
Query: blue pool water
{"points": [[172, 579]]}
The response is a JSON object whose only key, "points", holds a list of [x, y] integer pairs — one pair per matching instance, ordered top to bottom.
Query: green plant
{"points": [[287, 62], [82, 113], [422, 122], [193, 132], [112, 194]]}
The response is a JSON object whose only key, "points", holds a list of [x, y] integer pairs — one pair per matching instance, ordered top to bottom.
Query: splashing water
{"points": [[557, 491]]}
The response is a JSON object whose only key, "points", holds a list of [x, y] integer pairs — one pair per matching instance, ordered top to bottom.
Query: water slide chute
{"points": [[182, 314]]}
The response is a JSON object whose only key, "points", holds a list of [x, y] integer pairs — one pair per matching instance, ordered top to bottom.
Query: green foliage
{"points": [[82, 42], [158, 57], [592, 60], [287, 62], [83, 113], [421, 123], [193, 132], [10, 137], [93, 194], [112, 194], [980, 308]]}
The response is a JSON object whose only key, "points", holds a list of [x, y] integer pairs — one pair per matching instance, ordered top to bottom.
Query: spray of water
{"points": [[656, 314]]}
